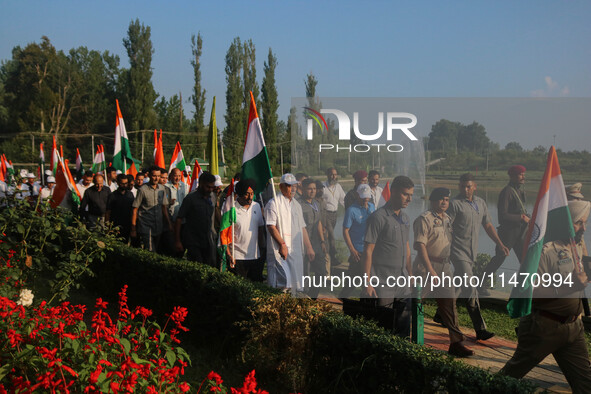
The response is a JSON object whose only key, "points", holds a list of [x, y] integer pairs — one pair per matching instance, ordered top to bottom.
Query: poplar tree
{"points": [[140, 93], [198, 97], [270, 106], [234, 133]]}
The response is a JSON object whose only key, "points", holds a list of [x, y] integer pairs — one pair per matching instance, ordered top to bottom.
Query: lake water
{"points": [[489, 193]]}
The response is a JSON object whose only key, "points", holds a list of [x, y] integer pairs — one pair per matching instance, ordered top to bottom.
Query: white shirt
{"points": [[113, 186], [81, 188], [134, 192], [46, 193], [178, 195], [333, 196], [376, 197], [281, 205], [246, 231], [295, 259]]}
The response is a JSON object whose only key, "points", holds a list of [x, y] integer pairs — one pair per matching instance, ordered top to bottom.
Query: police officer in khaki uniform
{"points": [[433, 235], [555, 324]]}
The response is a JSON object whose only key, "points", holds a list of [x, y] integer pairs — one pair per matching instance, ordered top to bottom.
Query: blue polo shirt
{"points": [[356, 221]]}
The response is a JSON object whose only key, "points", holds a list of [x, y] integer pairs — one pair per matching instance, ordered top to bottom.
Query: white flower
{"points": [[25, 297]]}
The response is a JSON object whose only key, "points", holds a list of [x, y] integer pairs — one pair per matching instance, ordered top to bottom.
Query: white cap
{"points": [[188, 168], [48, 172], [118, 172], [23, 173], [31, 175], [50, 179], [288, 179], [218, 181], [364, 191]]}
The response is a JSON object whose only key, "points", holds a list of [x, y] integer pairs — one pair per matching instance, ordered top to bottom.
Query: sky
{"points": [[355, 49]]}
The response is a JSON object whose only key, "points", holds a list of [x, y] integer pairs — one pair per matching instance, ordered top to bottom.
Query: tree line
{"points": [[71, 94]]}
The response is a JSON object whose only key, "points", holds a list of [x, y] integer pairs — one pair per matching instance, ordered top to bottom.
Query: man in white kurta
{"points": [[282, 243]]}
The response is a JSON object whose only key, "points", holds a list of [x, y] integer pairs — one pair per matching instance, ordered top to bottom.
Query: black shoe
{"points": [[437, 319], [483, 335], [459, 350]]}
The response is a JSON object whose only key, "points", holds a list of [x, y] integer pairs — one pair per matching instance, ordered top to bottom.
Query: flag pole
{"points": [[232, 202]]}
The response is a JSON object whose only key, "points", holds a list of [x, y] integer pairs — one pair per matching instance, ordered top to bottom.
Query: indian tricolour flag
{"points": [[54, 157], [122, 159], [178, 159], [255, 161], [98, 163], [79, 166], [41, 168], [197, 171], [65, 193], [550, 221], [226, 226]]}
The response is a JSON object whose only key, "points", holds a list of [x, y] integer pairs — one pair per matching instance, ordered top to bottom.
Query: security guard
{"points": [[433, 235], [555, 325]]}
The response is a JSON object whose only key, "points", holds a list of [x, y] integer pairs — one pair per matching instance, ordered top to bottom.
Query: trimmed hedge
{"points": [[347, 355]]}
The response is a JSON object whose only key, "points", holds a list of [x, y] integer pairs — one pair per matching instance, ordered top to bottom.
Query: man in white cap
{"points": [[33, 184], [23, 190], [47, 192], [280, 240], [555, 324]]}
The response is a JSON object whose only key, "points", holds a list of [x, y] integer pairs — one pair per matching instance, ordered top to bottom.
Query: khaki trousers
{"points": [[539, 336]]}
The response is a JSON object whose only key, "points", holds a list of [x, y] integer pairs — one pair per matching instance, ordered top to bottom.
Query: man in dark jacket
{"points": [[95, 198]]}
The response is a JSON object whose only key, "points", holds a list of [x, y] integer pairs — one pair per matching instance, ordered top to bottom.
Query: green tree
{"points": [[140, 93], [198, 97], [270, 105], [96, 110], [234, 132], [444, 136], [473, 138], [514, 146]]}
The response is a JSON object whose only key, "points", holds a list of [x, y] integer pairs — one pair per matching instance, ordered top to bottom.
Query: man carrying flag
{"points": [[226, 233], [197, 234], [551, 322]]}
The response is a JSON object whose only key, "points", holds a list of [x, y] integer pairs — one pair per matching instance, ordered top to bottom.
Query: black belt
{"points": [[558, 318]]}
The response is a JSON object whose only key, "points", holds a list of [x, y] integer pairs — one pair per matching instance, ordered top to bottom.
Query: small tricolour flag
{"points": [[54, 157], [122, 159], [178, 159], [255, 160], [99, 162], [79, 166], [197, 171], [65, 188], [228, 219], [550, 221]]}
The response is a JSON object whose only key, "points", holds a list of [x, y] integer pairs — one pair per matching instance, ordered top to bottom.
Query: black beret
{"points": [[439, 193]]}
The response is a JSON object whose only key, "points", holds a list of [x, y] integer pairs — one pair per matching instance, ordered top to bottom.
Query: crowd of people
{"points": [[293, 232]]}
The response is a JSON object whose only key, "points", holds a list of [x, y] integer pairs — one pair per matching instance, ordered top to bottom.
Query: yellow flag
{"points": [[212, 143]]}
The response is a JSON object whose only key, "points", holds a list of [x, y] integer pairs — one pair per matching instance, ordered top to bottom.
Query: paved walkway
{"points": [[491, 355]]}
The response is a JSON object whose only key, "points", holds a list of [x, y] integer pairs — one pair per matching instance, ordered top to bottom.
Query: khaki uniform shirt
{"points": [[434, 231], [557, 258]]}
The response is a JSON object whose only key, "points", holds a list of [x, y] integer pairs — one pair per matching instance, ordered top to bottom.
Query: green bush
{"points": [[342, 354]]}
